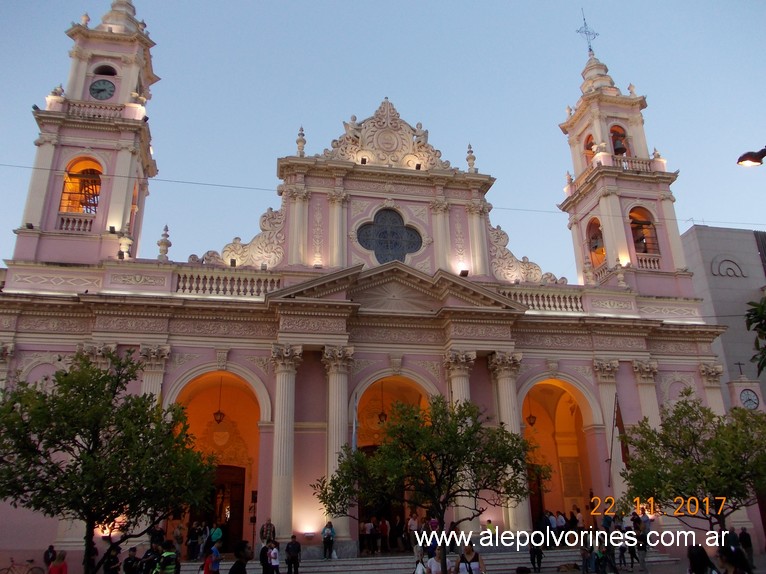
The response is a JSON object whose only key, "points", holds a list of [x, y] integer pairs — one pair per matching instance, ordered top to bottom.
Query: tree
{"points": [[755, 319], [80, 447], [446, 456], [698, 466]]}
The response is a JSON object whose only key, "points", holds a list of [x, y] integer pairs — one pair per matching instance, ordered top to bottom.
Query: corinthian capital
{"points": [[6, 352], [154, 356], [286, 356], [337, 358], [459, 362], [505, 364], [606, 370], [645, 371], [711, 374]]}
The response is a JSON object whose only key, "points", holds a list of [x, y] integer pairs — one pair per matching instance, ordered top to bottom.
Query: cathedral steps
{"points": [[496, 562]]}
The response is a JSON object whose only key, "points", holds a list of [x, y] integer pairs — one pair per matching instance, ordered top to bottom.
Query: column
{"points": [[121, 188], [298, 223], [613, 226], [154, 358], [286, 359], [337, 361], [458, 365], [505, 368], [711, 380]]}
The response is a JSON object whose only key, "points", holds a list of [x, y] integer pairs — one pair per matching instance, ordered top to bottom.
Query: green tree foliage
{"points": [[755, 319], [79, 446], [446, 456], [698, 466]]}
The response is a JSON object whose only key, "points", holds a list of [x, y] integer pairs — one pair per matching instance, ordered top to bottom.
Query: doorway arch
{"points": [[223, 414], [568, 431]]}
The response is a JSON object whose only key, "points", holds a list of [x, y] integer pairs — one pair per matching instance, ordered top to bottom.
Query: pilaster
{"points": [[40, 180], [338, 200], [440, 209], [477, 224], [6, 355], [154, 358], [286, 359], [645, 372], [606, 378], [711, 381]]}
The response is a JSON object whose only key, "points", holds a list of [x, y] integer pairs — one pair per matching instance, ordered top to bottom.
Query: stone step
{"points": [[497, 561]]}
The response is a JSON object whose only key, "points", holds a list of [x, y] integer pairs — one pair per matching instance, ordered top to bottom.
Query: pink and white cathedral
{"points": [[379, 278]]}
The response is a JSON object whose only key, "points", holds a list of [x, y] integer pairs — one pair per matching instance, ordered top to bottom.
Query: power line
{"points": [[272, 189]]}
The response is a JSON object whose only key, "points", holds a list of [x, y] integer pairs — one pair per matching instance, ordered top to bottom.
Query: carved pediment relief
{"points": [[386, 139], [396, 296]]}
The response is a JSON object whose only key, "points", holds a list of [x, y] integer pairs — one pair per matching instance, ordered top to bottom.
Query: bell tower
{"points": [[89, 183], [619, 201]]}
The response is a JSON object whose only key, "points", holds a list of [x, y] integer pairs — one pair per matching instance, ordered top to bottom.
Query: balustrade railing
{"points": [[89, 110], [75, 222], [648, 261], [219, 283], [542, 299]]}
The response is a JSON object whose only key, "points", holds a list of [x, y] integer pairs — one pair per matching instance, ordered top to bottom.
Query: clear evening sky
{"points": [[239, 77]]}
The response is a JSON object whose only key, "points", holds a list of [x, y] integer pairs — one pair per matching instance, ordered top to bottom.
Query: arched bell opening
{"points": [[619, 141], [596, 248], [223, 414]]}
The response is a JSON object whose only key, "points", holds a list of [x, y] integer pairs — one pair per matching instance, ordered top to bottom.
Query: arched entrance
{"points": [[374, 409], [223, 417], [554, 421]]}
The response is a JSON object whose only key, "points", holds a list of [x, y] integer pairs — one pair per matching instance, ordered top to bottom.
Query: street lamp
{"points": [[752, 158]]}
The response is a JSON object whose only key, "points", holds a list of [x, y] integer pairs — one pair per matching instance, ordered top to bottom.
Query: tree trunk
{"points": [[89, 558]]}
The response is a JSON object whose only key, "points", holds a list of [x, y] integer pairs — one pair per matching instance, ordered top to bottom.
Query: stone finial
{"points": [[84, 20], [631, 89], [570, 111], [301, 141], [656, 154], [471, 159], [569, 178], [164, 244]]}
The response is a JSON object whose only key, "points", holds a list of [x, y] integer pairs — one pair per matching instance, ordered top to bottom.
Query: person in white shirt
{"points": [[434, 565]]}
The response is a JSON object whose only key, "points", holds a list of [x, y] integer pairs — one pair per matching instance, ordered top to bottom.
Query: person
{"points": [[580, 519], [646, 520], [561, 522], [384, 527], [491, 527], [412, 528], [268, 531], [395, 533], [216, 534], [156, 535], [203, 536], [178, 537], [328, 539], [453, 540], [192, 542], [746, 543], [641, 548], [623, 551], [243, 552], [585, 553], [293, 554], [49, 556], [215, 556], [274, 556], [536, 557], [263, 558], [149, 559], [112, 560], [699, 561], [732, 561], [168, 562], [470, 562], [130, 564], [434, 565], [59, 566], [420, 568]]}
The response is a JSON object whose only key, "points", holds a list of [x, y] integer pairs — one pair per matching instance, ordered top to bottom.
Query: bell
{"points": [[619, 146]]}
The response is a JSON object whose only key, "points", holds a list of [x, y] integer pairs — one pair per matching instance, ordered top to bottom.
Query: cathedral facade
{"points": [[379, 279]]}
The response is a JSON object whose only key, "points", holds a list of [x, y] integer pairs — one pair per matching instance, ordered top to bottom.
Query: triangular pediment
{"points": [[395, 288]]}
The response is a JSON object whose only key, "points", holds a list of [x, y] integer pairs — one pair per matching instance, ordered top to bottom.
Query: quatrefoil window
{"points": [[388, 237]]}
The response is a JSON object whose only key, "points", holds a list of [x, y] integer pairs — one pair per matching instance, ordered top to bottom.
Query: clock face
{"points": [[102, 89], [749, 399]]}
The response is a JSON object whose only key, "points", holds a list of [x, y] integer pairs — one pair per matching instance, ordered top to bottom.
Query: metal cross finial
{"points": [[586, 32], [740, 365]]}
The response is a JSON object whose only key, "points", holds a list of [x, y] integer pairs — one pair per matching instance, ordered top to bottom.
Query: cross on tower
{"points": [[586, 32], [740, 365]]}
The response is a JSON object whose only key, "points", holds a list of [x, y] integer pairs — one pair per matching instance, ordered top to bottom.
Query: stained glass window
{"points": [[388, 237]]}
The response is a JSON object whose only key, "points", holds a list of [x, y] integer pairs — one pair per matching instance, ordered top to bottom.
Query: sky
{"points": [[240, 77]]}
